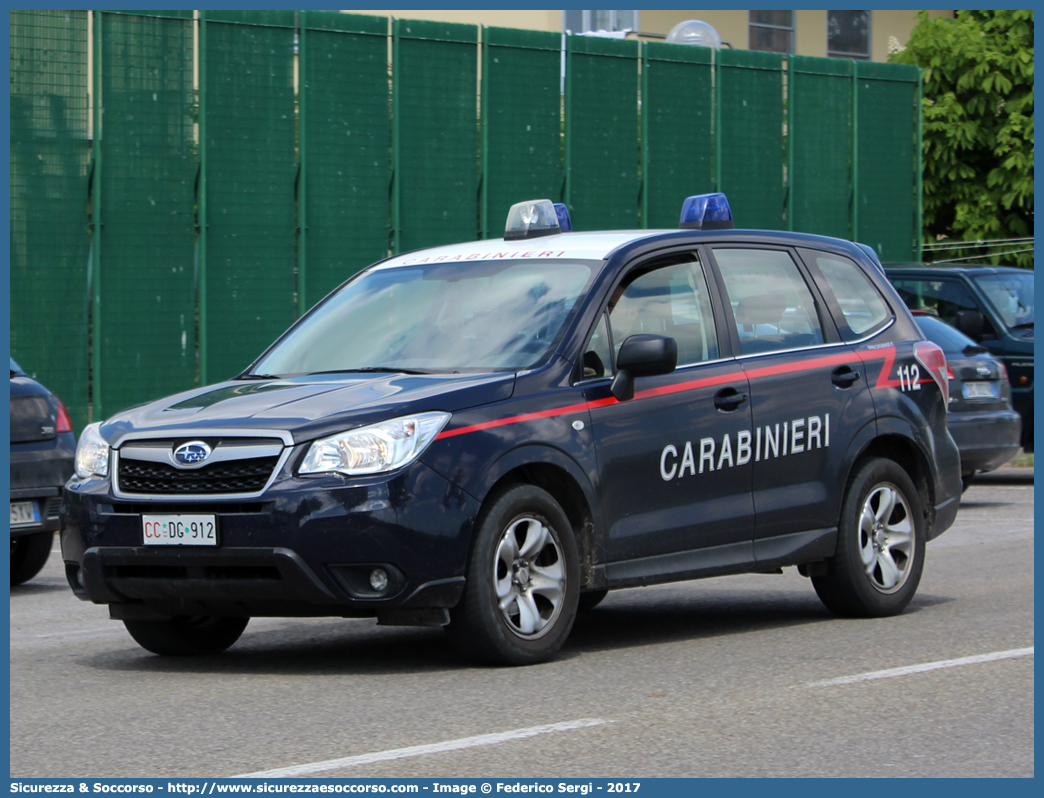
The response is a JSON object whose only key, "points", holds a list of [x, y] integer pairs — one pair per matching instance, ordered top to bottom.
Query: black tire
{"points": [[966, 481], [29, 553], [860, 580], [591, 599], [532, 627], [186, 636]]}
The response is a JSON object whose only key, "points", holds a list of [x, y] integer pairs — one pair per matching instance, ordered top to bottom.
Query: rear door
{"points": [[808, 390]]}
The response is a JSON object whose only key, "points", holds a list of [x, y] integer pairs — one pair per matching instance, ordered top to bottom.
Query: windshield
{"points": [[1011, 295], [478, 316]]}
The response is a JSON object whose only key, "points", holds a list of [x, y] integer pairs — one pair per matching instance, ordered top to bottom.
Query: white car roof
{"points": [[578, 246]]}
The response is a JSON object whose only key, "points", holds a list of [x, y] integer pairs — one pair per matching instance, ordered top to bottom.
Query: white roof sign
{"points": [[577, 246]]}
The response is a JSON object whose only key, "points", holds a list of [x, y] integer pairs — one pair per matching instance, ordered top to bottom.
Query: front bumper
{"points": [[986, 440], [305, 548]]}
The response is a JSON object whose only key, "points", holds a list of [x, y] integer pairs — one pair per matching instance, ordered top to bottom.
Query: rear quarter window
{"points": [[862, 307]]}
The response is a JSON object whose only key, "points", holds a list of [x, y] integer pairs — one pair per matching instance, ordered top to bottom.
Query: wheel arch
{"points": [[908, 454], [559, 475]]}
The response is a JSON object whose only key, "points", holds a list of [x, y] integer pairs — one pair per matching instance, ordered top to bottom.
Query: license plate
{"points": [[979, 390], [25, 513], [179, 530]]}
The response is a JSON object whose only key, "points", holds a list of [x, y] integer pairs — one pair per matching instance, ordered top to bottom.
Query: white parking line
{"points": [[926, 666], [422, 750]]}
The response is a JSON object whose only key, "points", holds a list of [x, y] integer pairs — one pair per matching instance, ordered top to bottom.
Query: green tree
{"points": [[978, 125]]}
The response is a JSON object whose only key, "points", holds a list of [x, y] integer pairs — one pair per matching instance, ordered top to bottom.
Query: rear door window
{"points": [[771, 302]]}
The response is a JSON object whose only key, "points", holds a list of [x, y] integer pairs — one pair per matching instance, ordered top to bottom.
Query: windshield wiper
{"points": [[1024, 324], [372, 370], [257, 377]]}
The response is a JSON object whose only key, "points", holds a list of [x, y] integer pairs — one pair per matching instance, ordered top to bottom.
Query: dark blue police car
{"points": [[490, 436]]}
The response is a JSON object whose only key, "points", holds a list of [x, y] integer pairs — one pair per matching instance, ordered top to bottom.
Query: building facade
{"points": [[862, 35]]}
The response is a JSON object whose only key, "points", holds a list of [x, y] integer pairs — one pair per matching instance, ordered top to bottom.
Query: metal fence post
{"points": [[717, 121], [855, 150], [302, 165], [919, 167], [788, 188], [96, 196], [395, 197], [202, 200], [643, 208]]}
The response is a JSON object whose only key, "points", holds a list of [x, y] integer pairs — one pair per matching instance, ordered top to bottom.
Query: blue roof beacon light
{"points": [[706, 212], [533, 219], [565, 224]]}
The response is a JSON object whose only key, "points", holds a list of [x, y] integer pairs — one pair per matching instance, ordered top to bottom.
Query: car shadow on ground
{"points": [[1005, 476], [36, 589], [624, 621]]}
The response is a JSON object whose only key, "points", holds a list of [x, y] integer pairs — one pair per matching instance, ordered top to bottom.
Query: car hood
{"points": [[307, 407]]}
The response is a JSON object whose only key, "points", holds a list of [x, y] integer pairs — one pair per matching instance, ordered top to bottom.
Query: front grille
{"points": [[232, 476], [224, 508]]}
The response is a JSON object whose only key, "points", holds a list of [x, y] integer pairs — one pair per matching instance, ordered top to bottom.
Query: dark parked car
{"points": [[991, 305], [981, 420], [42, 450]]}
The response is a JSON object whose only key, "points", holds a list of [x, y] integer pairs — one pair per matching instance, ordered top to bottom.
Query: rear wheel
{"points": [[880, 545], [29, 553], [523, 581], [187, 636]]}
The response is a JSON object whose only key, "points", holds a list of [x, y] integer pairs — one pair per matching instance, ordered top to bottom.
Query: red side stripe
{"points": [[888, 354]]}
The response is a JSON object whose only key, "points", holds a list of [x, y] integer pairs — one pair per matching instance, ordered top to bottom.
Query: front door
{"points": [[675, 462]]}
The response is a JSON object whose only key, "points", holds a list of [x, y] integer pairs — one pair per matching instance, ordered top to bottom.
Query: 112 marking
{"points": [[909, 378]]}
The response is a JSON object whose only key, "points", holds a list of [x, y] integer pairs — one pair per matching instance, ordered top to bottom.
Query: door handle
{"points": [[844, 377], [728, 399]]}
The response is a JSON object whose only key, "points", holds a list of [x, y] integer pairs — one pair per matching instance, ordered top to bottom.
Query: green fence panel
{"points": [[750, 109], [248, 115], [521, 121], [601, 126], [435, 133], [819, 135], [677, 143], [345, 149], [886, 160], [49, 167], [146, 339]]}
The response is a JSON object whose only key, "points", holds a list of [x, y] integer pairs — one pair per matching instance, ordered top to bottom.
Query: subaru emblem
{"points": [[191, 453]]}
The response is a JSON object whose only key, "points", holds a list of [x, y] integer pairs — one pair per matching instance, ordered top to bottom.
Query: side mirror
{"points": [[971, 323], [642, 355]]}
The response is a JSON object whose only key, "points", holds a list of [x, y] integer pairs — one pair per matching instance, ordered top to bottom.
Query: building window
{"points": [[577, 21], [772, 31], [848, 34]]}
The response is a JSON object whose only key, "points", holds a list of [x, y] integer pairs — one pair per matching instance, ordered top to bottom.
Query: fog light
{"points": [[379, 579]]}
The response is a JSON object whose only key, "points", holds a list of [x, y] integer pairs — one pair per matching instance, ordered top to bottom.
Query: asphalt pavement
{"points": [[733, 676]]}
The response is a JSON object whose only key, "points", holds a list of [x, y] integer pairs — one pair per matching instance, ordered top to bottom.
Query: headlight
{"points": [[379, 447], [92, 453]]}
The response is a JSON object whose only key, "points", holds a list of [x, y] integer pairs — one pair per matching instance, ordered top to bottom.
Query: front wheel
{"points": [[880, 545], [523, 581], [187, 636]]}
